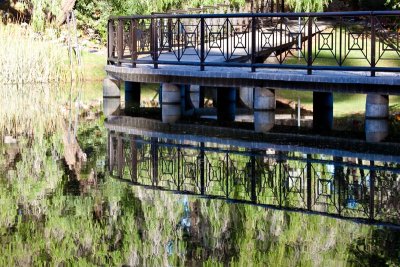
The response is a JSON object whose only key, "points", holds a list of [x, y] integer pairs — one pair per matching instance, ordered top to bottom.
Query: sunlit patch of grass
{"points": [[351, 50]]}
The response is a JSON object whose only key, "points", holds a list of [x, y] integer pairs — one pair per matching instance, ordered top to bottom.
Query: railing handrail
{"points": [[262, 15]]}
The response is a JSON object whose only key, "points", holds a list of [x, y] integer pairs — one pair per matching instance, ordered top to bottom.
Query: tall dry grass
{"points": [[30, 57], [35, 76]]}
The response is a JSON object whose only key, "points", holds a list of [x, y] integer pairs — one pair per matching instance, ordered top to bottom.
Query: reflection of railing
{"points": [[359, 41], [343, 187]]}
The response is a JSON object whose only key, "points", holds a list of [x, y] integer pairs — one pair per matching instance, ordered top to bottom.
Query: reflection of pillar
{"points": [[111, 96], [201, 96], [132, 97], [171, 102], [226, 103], [264, 109], [322, 111], [376, 117]]}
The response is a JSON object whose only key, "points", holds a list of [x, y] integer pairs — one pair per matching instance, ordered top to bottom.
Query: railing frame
{"points": [[115, 40]]}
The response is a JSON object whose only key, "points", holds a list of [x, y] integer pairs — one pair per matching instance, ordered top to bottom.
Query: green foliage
{"points": [[394, 4], [307, 5], [93, 15]]}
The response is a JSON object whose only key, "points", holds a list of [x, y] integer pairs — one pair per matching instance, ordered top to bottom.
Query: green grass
{"points": [[93, 66], [343, 104]]}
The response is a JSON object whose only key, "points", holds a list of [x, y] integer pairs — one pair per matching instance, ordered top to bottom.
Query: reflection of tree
{"points": [[378, 248]]}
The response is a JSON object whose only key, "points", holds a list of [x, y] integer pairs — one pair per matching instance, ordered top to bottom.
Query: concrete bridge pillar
{"points": [[195, 95], [111, 96], [246, 96], [132, 97], [171, 102], [226, 103], [264, 109], [322, 111], [376, 117]]}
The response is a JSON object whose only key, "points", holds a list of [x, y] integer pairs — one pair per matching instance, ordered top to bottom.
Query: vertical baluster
{"points": [[310, 37], [120, 40], [340, 40], [111, 41], [134, 41], [202, 43], [253, 43], [373, 44]]}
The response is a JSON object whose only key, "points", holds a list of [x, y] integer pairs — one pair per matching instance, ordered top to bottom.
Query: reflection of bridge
{"points": [[258, 52], [336, 184]]}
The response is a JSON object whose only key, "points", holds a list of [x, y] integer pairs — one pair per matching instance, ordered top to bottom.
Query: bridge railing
{"points": [[347, 41], [316, 183]]}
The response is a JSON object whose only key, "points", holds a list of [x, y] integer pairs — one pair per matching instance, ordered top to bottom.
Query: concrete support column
{"points": [[195, 95], [246, 95], [111, 96], [132, 97], [171, 102], [226, 103], [264, 109], [322, 111], [376, 117]]}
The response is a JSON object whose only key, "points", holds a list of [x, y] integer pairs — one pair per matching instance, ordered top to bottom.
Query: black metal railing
{"points": [[354, 41], [325, 184]]}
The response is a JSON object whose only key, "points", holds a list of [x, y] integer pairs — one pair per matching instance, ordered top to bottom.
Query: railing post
{"points": [[170, 35], [120, 40], [110, 41], [134, 41], [340, 41], [202, 43], [253, 43], [373, 44], [309, 50], [154, 51]]}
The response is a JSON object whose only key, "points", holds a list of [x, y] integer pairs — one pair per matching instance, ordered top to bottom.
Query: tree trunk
{"points": [[66, 7]]}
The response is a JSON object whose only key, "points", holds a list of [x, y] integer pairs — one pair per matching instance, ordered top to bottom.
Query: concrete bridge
{"points": [[356, 52]]}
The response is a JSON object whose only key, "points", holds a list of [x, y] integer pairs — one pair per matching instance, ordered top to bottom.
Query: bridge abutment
{"points": [[111, 96], [132, 97], [171, 102], [226, 104], [264, 109], [322, 111], [376, 117]]}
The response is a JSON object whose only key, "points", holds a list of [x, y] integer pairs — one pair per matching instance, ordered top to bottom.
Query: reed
{"points": [[30, 57]]}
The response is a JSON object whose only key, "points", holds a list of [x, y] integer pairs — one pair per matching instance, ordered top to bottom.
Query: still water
{"points": [[150, 198]]}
